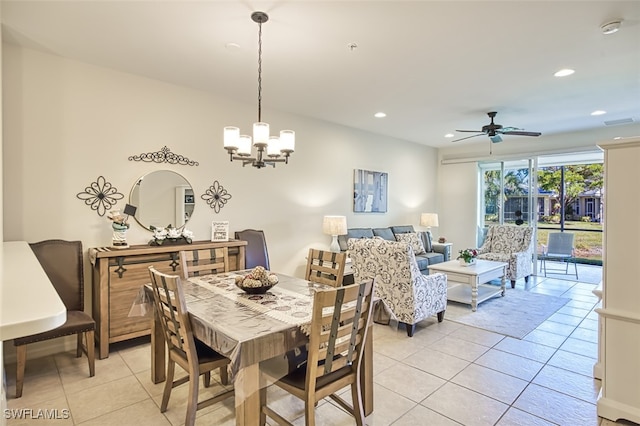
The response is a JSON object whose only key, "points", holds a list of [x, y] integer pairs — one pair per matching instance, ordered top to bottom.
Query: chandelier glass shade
{"points": [[269, 149]]}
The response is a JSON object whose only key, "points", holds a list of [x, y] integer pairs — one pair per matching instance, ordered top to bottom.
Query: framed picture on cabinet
{"points": [[220, 231]]}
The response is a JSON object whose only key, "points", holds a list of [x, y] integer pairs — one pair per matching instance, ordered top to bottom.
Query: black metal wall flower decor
{"points": [[163, 156], [100, 195], [216, 196]]}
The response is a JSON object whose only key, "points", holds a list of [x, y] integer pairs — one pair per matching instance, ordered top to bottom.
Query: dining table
{"points": [[250, 328]]}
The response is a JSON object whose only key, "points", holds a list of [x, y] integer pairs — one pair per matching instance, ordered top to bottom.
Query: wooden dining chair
{"points": [[204, 261], [62, 262], [325, 267], [338, 330], [195, 357]]}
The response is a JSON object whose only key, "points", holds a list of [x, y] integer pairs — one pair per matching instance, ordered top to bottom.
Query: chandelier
{"points": [[269, 149]]}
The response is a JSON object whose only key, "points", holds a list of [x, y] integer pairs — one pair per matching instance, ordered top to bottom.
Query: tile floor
{"points": [[447, 374]]}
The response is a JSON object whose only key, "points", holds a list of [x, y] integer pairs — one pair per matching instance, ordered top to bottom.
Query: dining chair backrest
{"points": [[560, 244], [256, 253], [62, 262], [198, 262], [325, 267], [170, 305]]}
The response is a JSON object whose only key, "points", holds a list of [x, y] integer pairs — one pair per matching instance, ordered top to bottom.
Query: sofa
{"points": [[512, 244], [425, 254], [407, 295]]}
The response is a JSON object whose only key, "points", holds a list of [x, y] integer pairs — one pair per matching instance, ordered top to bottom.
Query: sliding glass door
{"points": [[549, 193], [508, 194]]}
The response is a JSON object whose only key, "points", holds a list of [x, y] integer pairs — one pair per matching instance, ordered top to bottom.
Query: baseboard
{"points": [[597, 370], [614, 410]]}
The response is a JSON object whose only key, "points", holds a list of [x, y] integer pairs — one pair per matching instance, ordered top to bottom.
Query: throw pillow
{"points": [[412, 239]]}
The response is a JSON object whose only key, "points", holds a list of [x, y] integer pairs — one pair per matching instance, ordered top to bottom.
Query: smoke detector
{"points": [[611, 27]]}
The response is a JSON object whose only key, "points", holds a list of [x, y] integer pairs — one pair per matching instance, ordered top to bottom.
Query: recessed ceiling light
{"points": [[232, 46], [564, 72], [598, 112], [379, 115], [448, 135], [617, 138]]}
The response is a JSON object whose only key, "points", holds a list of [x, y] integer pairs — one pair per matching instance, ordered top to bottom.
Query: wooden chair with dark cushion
{"points": [[256, 253], [204, 261], [62, 262], [325, 267], [338, 330], [191, 354]]}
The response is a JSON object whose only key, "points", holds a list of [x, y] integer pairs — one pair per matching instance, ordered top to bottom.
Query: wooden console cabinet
{"points": [[118, 275]]}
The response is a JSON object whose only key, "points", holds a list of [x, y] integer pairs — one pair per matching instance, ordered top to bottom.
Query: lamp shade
{"points": [[429, 219], [334, 225]]}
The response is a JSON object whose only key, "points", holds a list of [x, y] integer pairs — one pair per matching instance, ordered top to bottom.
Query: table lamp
{"points": [[429, 220], [334, 226]]}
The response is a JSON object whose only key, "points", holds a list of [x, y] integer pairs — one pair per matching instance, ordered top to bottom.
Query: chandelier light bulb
{"points": [[260, 134], [231, 136], [287, 141], [244, 145], [273, 149]]}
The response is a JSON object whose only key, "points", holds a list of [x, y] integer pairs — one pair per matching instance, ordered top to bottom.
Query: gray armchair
{"points": [[511, 244]]}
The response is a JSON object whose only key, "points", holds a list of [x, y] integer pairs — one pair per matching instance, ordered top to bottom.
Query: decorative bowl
{"points": [[258, 281], [255, 290]]}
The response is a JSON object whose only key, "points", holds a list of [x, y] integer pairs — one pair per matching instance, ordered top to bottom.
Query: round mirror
{"points": [[162, 198]]}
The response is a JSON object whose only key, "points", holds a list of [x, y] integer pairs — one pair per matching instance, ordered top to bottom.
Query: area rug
{"points": [[516, 314]]}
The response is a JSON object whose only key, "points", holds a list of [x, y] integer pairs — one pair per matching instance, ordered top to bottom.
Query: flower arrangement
{"points": [[175, 235], [467, 255]]}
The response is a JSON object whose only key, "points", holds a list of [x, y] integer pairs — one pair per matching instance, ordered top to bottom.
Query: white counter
{"points": [[29, 303]]}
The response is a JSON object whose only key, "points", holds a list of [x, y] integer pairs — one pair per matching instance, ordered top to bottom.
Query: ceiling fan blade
{"points": [[470, 131], [520, 133], [468, 137], [495, 139]]}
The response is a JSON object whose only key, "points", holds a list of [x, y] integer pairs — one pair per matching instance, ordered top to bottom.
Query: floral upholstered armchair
{"points": [[511, 244], [407, 294]]}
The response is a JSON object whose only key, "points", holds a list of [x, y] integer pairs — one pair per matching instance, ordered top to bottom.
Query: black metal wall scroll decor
{"points": [[163, 156], [100, 195], [216, 196]]}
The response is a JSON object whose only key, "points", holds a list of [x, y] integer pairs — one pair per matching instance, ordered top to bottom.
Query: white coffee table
{"points": [[467, 284]]}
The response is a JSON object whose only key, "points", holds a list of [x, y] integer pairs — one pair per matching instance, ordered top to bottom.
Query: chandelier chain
{"points": [[259, 71]]}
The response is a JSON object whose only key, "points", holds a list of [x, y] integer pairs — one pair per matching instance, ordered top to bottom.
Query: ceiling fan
{"points": [[495, 130]]}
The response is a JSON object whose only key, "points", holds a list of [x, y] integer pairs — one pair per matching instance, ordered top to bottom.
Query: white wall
{"points": [[67, 122]]}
